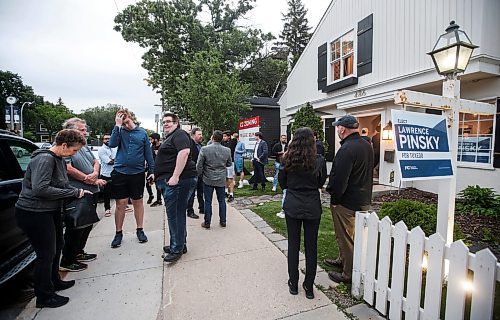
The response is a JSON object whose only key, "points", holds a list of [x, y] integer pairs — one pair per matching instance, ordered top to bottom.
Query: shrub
{"points": [[477, 200], [413, 213]]}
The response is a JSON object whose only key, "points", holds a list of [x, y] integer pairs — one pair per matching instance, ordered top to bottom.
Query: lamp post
{"points": [[451, 55], [22, 108]]}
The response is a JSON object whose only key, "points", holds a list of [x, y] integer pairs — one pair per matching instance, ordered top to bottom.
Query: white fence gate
{"points": [[380, 272]]}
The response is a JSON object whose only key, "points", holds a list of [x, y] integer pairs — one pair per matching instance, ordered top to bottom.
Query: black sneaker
{"points": [[230, 198], [150, 199], [156, 204], [193, 215], [141, 236], [117, 240], [166, 249], [86, 257], [172, 257], [74, 267], [52, 302]]}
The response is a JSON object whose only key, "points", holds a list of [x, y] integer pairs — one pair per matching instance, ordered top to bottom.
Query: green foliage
{"points": [[173, 32], [295, 34], [266, 76], [213, 97], [52, 116], [306, 117], [101, 120], [477, 200], [413, 213]]}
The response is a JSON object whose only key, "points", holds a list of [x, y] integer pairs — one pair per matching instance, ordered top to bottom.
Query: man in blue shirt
{"points": [[128, 175]]}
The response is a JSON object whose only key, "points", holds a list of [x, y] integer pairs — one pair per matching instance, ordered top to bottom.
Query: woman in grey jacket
{"points": [[302, 174], [38, 213]]}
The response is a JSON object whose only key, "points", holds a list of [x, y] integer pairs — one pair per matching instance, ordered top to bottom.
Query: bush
{"points": [[477, 200], [413, 213]]}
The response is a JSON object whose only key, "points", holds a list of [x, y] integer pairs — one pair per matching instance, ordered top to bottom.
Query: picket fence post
{"points": [[416, 240], [359, 258], [371, 258], [384, 260], [398, 270], [434, 279], [484, 285], [455, 294]]}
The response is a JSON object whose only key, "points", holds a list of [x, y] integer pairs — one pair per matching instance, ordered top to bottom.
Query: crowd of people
{"points": [[181, 168]]}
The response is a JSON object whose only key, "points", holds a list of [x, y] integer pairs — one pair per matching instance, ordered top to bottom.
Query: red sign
{"points": [[249, 123]]}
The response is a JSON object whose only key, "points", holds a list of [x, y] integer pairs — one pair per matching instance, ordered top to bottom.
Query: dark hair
{"points": [[174, 117], [194, 130], [227, 133], [259, 134], [155, 136], [217, 136], [71, 137], [301, 152]]}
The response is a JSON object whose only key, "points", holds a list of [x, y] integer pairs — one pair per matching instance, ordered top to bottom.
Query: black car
{"points": [[16, 252]]}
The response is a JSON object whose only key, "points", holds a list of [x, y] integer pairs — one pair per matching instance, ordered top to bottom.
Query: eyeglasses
{"points": [[168, 121]]}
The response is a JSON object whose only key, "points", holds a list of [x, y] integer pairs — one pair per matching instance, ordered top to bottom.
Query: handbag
{"points": [[80, 212]]}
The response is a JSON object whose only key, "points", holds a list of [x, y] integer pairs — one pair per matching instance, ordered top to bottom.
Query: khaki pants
{"points": [[343, 223]]}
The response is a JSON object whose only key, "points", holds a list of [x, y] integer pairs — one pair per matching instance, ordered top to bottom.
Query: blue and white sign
{"points": [[422, 147], [474, 149]]}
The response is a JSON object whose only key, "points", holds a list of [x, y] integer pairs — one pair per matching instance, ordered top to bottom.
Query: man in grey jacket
{"points": [[212, 163]]}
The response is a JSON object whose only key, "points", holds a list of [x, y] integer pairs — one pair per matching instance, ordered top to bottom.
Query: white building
{"points": [[363, 51]]}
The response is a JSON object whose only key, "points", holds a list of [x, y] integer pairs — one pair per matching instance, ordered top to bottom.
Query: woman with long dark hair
{"points": [[303, 172], [38, 213]]}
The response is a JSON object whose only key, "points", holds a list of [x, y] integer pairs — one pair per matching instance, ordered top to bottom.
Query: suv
{"points": [[16, 252]]}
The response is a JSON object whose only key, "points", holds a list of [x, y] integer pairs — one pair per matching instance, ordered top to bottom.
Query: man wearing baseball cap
{"points": [[350, 187]]}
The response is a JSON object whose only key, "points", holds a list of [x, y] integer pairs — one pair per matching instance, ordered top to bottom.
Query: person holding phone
{"points": [[134, 148], [38, 213]]}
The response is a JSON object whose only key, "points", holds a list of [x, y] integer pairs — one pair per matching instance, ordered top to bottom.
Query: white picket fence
{"points": [[381, 283]]}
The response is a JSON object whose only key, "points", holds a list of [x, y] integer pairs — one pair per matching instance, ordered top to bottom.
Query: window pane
{"points": [[348, 43], [336, 51], [348, 65], [336, 70], [475, 141]]}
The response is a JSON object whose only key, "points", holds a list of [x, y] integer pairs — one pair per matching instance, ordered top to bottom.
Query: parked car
{"points": [[43, 145], [16, 253]]}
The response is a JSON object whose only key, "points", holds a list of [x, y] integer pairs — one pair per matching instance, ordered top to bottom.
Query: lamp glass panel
{"points": [[445, 40], [463, 57], [446, 59]]}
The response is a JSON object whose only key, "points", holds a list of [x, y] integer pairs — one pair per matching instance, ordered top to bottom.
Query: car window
{"points": [[22, 152]]}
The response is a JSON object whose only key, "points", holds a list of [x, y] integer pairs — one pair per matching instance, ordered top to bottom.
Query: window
{"points": [[342, 57], [475, 139], [22, 152]]}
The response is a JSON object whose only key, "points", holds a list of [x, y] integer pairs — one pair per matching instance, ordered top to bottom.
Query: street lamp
{"points": [[452, 51], [451, 55], [22, 108]]}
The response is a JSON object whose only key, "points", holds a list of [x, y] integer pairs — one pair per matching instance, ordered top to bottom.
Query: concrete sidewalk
{"points": [[227, 273]]}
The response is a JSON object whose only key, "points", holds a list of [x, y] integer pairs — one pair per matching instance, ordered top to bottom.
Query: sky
{"points": [[68, 49]]}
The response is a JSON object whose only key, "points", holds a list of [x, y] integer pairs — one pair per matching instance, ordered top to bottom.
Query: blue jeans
{"points": [[277, 167], [176, 199], [221, 199]]}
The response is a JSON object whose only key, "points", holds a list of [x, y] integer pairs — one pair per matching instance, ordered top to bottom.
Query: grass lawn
{"points": [[246, 190], [327, 244]]}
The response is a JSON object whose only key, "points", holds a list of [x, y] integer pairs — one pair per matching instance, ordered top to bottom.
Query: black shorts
{"points": [[127, 185]]}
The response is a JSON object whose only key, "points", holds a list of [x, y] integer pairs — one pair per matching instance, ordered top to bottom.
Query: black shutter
{"points": [[365, 45], [322, 66], [496, 155]]}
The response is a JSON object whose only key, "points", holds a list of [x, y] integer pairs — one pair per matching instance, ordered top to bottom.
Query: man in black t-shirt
{"points": [[176, 177]]}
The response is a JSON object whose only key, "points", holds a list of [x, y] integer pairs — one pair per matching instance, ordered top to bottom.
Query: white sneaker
{"points": [[240, 185], [274, 189], [281, 214]]}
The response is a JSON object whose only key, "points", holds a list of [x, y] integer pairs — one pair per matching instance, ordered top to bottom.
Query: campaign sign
{"points": [[247, 129], [422, 147], [474, 149]]}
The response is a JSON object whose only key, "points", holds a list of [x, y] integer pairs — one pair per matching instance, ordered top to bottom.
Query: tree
{"points": [[172, 32], [295, 34], [266, 76], [11, 84], [213, 97], [51, 116], [305, 117], [101, 119]]}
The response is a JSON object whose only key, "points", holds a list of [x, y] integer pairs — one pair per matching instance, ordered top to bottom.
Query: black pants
{"points": [[258, 171], [150, 190], [106, 192], [199, 196], [311, 228], [45, 233], [75, 241]]}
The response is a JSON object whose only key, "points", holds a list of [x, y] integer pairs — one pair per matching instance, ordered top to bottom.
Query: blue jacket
{"points": [[133, 149], [263, 152]]}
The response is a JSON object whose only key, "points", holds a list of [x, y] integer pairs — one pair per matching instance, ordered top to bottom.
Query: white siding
{"points": [[403, 32]]}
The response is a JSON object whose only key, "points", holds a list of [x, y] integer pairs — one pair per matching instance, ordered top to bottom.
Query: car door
{"points": [[14, 245]]}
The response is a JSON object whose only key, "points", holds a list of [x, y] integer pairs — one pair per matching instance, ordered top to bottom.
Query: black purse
{"points": [[80, 212]]}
